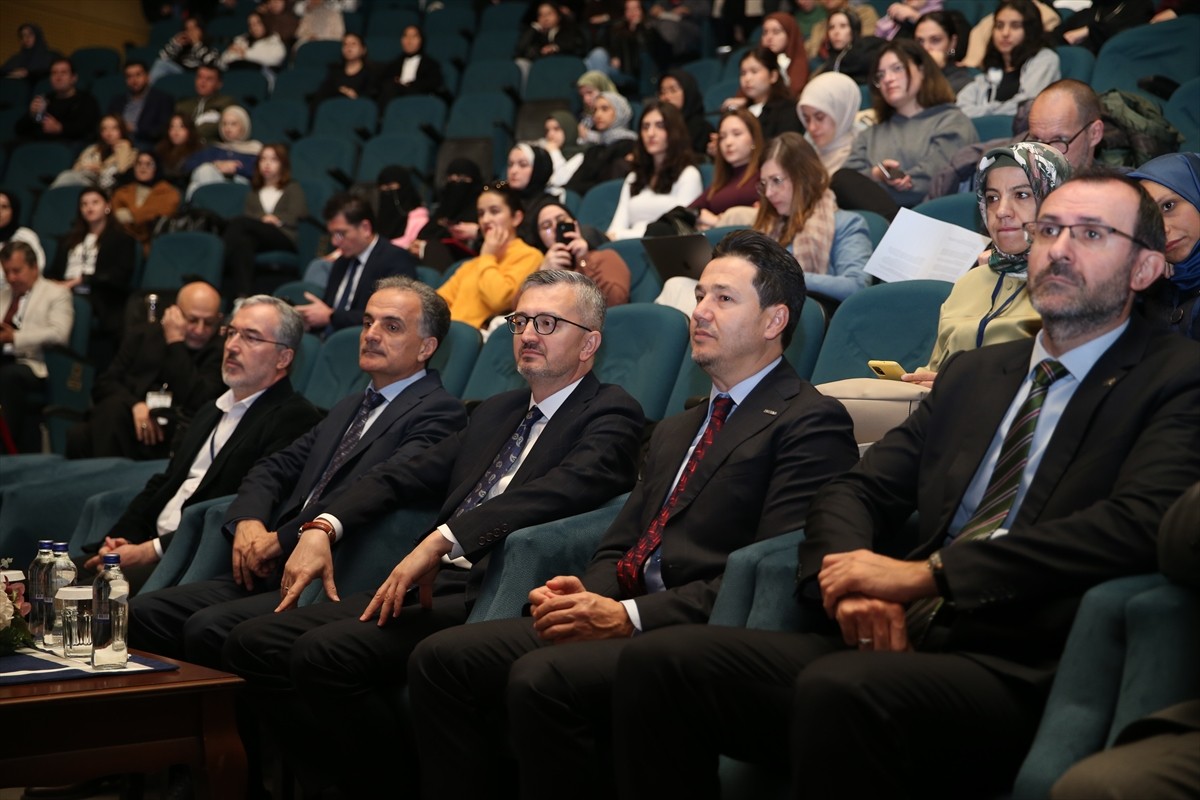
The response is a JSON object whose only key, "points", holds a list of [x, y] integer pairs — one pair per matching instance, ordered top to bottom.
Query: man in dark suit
{"points": [[146, 110], [204, 110], [68, 115], [365, 258], [404, 323], [174, 363], [260, 414], [565, 445], [1039, 468], [708, 488]]}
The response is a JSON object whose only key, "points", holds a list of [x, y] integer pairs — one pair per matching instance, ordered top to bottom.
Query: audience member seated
{"points": [[865, 13], [901, 18], [280, 20], [1102, 20], [321, 21], [679, 24], [941, 33], [551, 34], [981, 34], [781, 35], [257, 47], [620, 49], [184, 52], [850, 53], [32, 61], [1017, 66], [413, 71], [354, 76], [590, 86], [679, 88], [764, 92], [828, 107], [146, 110], [204, 110], [68, 115], [1066, 116], [918, 128], [560, 143], [608, 145], [176, 150], [232, 158], [100, 164], [735, 169], [529, 171], [663, 175], [1173, 181], [141, 203], [400, 212], [270, 218], [11, 229], [453, 233], [565, 247], [363, 258], [96, 259], [486, 286], [992, 302], [37, 313], [164, 371], [405, 411], [259, 413]]}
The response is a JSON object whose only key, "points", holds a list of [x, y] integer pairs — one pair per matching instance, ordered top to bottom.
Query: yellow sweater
{"points": [[484, 287], [970, 301]]}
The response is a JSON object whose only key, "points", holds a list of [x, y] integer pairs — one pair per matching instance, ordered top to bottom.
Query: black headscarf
{"points": [[36, 60], [698, 125], [543, 168], [157, 169], [456, 201], [14, 202], [394, 204]]}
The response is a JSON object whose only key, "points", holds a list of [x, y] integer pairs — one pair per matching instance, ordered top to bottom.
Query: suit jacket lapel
{"points": [[245, 429], [497, 434]]}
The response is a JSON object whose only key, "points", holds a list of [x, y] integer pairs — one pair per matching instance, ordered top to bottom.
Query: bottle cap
{"points": [[45, 544], [60, 547], [112, 559]]}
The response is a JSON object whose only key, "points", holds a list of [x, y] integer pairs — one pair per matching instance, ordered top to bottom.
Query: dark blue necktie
{"points": [[346, 298], [371, 401], [505, 459]]}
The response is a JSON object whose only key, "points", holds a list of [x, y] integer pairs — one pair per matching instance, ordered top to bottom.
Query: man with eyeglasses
{"points": [[1066, 116], [364, 258], [162, 374], [258, 414], [562, 446], [737, 469], [1038, 469]]}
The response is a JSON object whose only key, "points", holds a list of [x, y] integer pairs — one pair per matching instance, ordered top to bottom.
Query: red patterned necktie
{"points": [[631, 567]]}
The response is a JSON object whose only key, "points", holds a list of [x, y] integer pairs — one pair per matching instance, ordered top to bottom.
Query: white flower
{"points": [[7, 611]]}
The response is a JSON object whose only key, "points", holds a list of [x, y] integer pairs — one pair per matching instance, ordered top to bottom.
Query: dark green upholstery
{"points": [[643, 343], [456, 355], [494, 371], [335, 372], [186, 543]]}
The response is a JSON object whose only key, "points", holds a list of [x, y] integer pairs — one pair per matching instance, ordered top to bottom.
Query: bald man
{"points": [[1066, 116], [163, 372]]}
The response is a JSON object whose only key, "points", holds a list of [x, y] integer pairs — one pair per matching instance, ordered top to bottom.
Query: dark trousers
{"points": [[244, 239], [19, 393], [191, 622], [309, 667], [478, 688], [848, 723]]}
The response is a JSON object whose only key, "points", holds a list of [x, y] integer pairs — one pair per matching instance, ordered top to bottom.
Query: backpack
{"points": [[1135, 130]]}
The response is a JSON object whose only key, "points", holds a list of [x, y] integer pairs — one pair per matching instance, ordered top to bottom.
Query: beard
{"points": [[1090, 307]]}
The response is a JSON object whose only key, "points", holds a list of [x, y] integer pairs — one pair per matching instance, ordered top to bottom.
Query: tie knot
{"points": [[1047, 372], [373, 399], [722, 405], [533, 416]]}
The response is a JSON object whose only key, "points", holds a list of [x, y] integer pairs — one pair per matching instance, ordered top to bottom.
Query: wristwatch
{"points": [[938, 571]]}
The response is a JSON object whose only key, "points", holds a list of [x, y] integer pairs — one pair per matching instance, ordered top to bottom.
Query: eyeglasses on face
{"points": [[894, 69], [1061, 144], [773, 182], [1090, 235], [544, 324], [228, 332]]}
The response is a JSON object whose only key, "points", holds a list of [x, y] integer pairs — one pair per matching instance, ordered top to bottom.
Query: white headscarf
{"points": [[839, 97]]}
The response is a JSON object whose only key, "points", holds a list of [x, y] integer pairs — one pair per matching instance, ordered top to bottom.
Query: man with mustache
{"points": [[403, 411], [259, 414], [564, 445], [1039, 469]]}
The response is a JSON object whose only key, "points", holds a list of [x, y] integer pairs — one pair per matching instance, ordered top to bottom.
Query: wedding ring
{"points": [[145, 425], [864, 641]]}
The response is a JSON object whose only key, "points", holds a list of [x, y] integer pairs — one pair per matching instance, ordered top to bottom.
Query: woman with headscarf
{"points": [[781, 35], [32, 61], [413, 71], [354, 76], [590, 86], [679, 88], [828, 105], [560, 143], [609, 143], [232, 159], [529, 170], [1173, 181], [139, 205], [400, 214], [11, 229], [452, 233], [990, 304]]}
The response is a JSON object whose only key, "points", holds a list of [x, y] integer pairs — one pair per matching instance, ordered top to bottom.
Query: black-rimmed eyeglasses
{"points": [[1060, 144], [544, 324]]}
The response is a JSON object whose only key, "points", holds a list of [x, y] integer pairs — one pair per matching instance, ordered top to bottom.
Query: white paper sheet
{"points": [[920, 247]]}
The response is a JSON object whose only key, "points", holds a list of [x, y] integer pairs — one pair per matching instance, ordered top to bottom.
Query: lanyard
{"points": [[991, 315]]}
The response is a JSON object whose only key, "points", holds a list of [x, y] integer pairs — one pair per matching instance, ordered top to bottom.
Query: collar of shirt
{"points": [[366, 253], [1079, 361], [393, 390], [741, 390], [553, 402], [228, 404]]}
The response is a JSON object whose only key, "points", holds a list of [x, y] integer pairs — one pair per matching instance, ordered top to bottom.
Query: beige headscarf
{"points": [[839, 97]]}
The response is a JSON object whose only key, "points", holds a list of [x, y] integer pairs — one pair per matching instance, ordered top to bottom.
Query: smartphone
{"points": [[891, 174], [562, 229], [888, 370]]}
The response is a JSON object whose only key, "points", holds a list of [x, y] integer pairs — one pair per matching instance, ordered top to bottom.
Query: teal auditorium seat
{"points": [[450, 20], [494, 43], [1166, 48], [317, 55], [1076, 62], [491, 76], [553, 78], [298, 83], [180, 86], [248, 87], [716, 94], [1183, 111], [408, 114], [355, 118], [994, 126], [414, 150], [314, 156], [34, 165], [226, 199], [599, 204], [960, 209], [56, 211], [876, 223], [176, 256], [429, 276], [644, 284], [293, 291], [890, 322], [643, 342], [456, 355], [304, 362], [494, 371], [336, 373], [192, 534]]}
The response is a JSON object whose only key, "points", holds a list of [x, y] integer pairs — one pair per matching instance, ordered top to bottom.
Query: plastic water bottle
{"points": [[62, 573], [35, 582], [110, 616]]}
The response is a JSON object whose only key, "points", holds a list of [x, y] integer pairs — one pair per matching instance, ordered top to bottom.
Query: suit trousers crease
{"points": [[204, 611]]}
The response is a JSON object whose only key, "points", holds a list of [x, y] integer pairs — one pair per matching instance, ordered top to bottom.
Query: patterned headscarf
{"points": [[619, 130], [1046, 169]]}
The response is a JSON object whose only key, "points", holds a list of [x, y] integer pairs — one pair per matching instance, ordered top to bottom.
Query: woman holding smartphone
{"points": [[566, 248]]}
